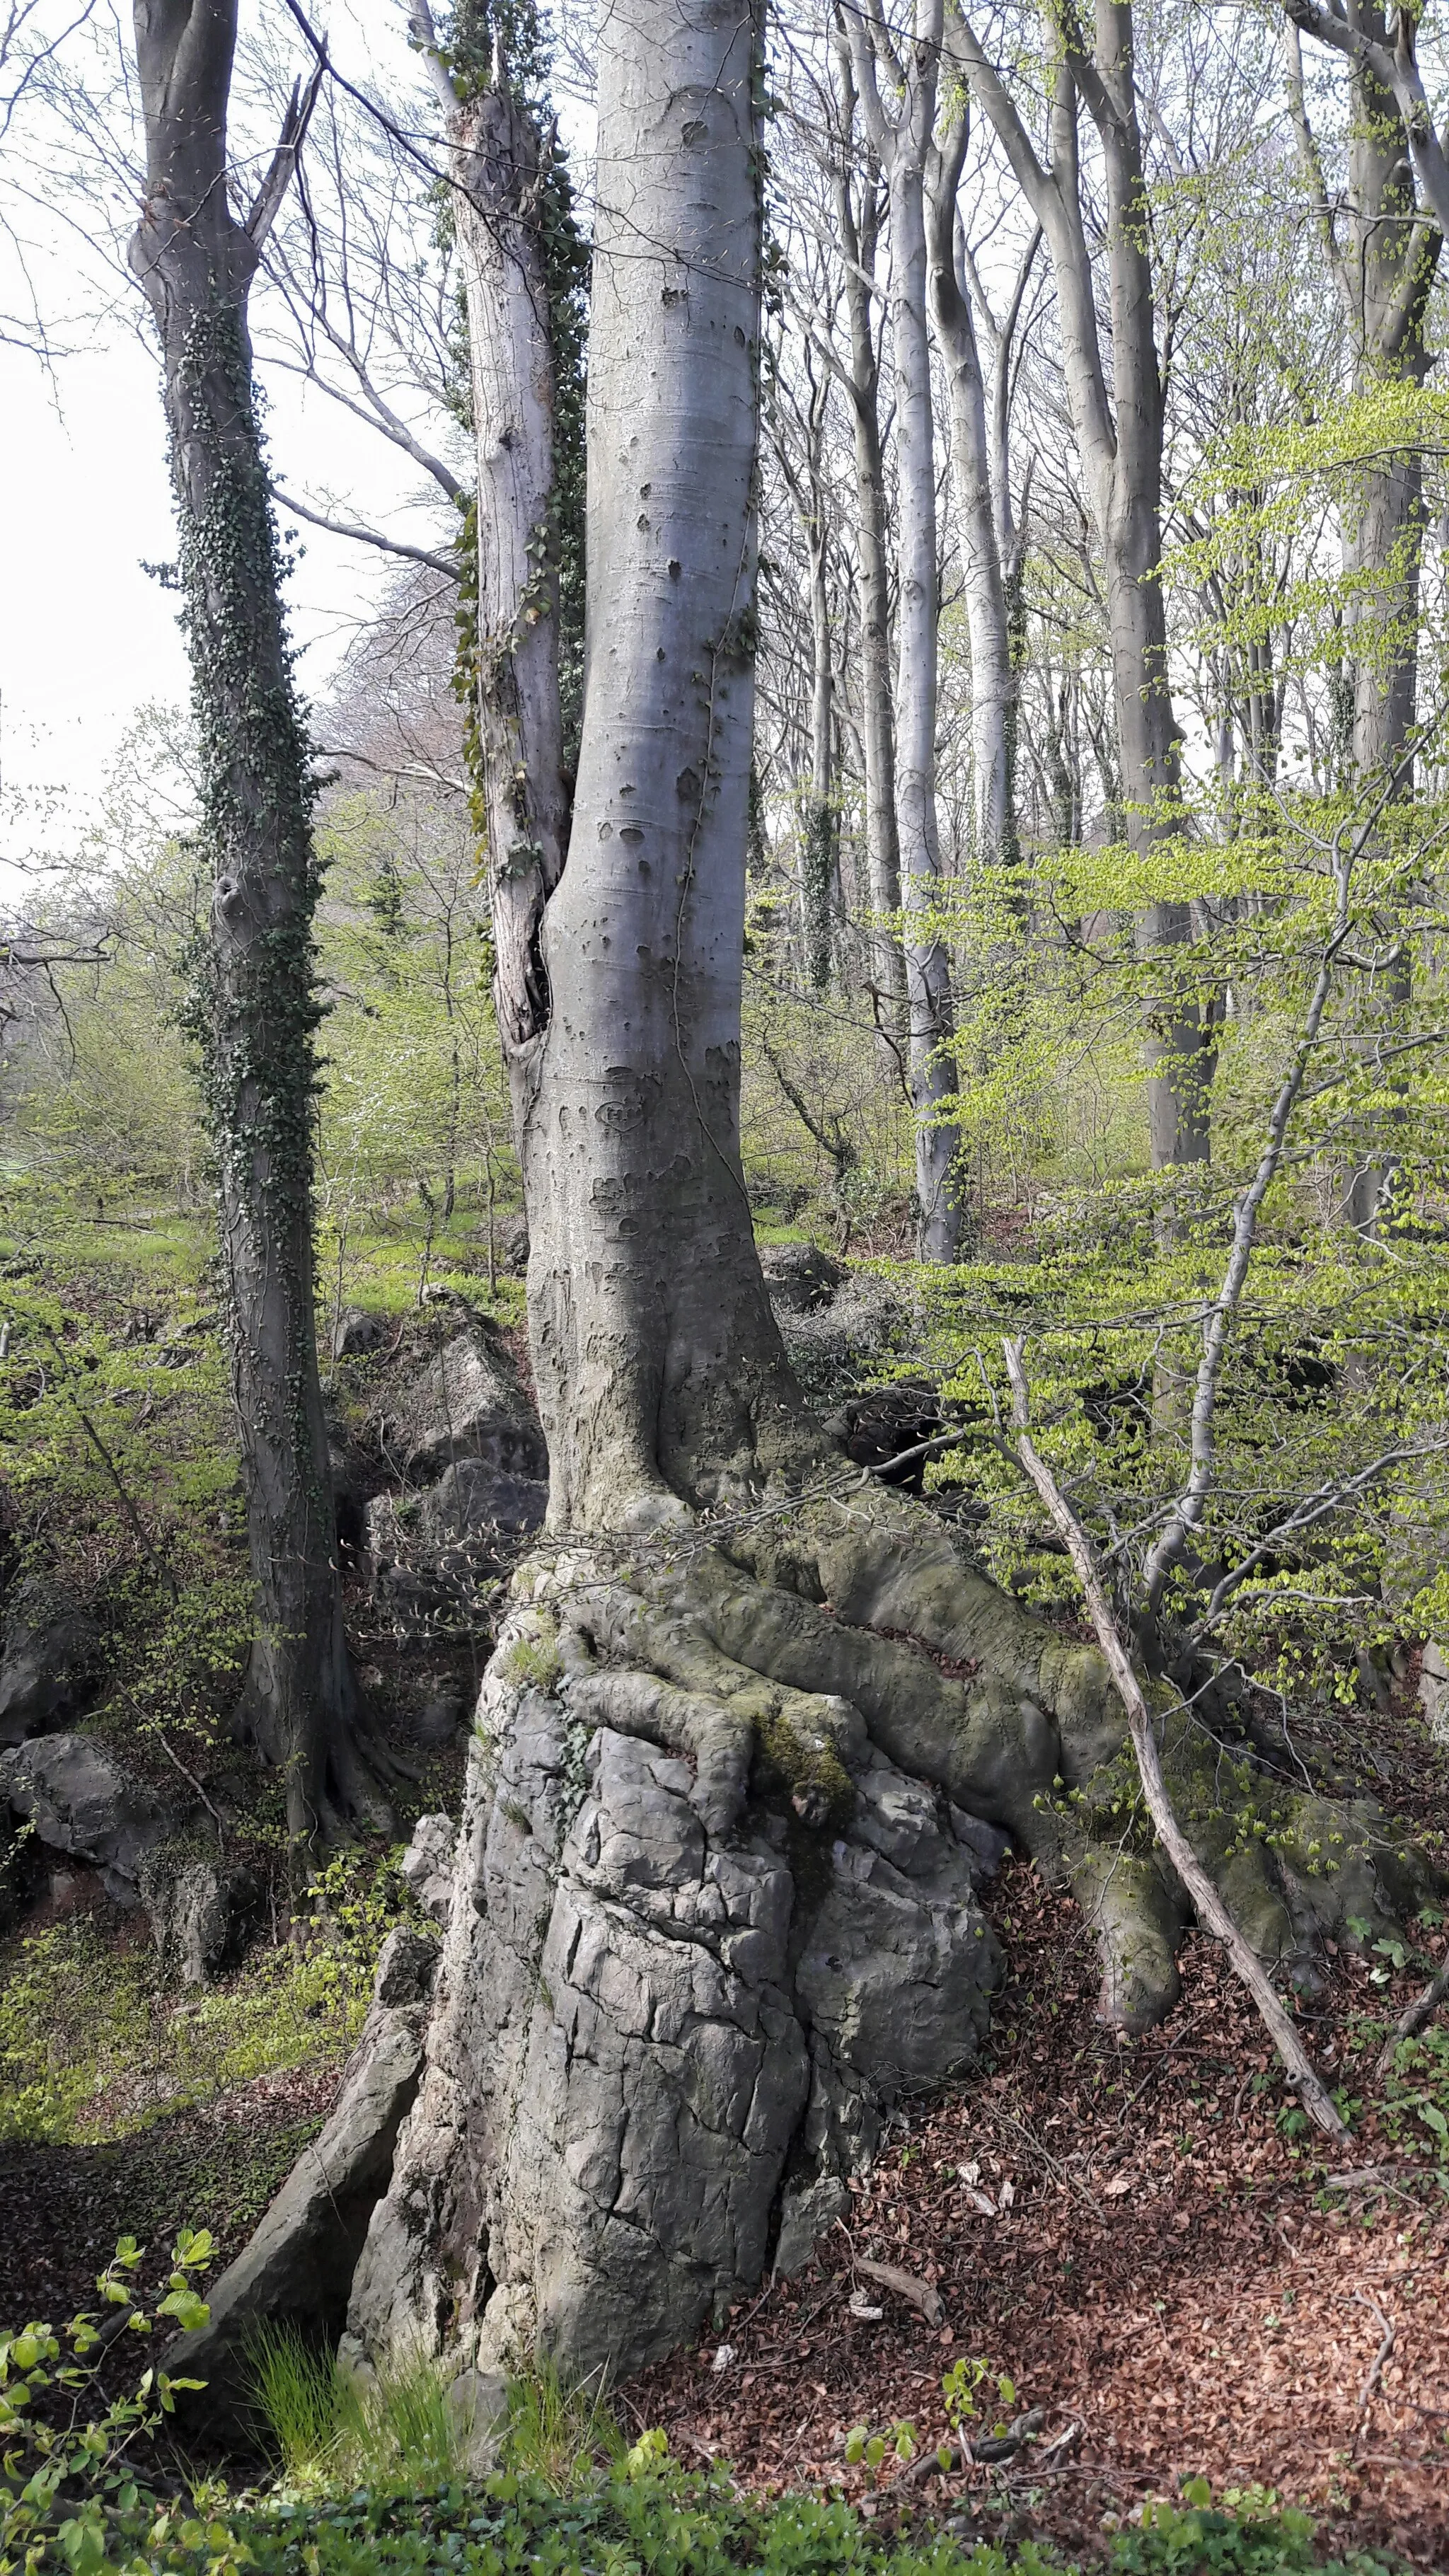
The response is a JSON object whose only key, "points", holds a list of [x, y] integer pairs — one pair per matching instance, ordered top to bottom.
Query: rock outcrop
{"points": [[466, 1401], [47, 1671], [81, 1801], [200, 1911], [662, 1999], [297, 2268]]}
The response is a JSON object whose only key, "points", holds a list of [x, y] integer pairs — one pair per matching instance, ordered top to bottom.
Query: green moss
{"points": [[797, 1759]]}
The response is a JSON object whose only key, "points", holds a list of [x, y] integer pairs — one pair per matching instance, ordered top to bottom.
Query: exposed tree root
{"points": [[714, 1913]]}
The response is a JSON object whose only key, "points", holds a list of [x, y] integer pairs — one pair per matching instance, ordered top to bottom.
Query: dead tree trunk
{"points": [[254, 1011]]}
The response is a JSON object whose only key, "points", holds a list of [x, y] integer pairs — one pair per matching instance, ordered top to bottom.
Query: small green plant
{"points": [[534, 1662], [962, 2386], [871, 2450], [648, 2455], [65, 2480]]}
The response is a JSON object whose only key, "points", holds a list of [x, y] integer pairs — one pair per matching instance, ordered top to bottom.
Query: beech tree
{"points": [[1116, 396], [254, 1011], [754, 1723]]}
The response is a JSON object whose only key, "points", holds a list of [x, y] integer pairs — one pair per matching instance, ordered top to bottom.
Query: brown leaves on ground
{"points": [[1126, 2229]]}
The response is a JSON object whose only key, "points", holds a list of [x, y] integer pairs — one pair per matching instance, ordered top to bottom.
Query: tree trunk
{"points": [[904, 146], [1119, 438], [992, 677], [820, 833], [882, 856], [255, 1011], [658, 1366], [714, 1903]]}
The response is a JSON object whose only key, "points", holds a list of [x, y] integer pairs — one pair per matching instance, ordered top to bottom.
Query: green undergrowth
{"points": [[93, 2046], [374, 2473], [657, 2518], [668, 2522]]}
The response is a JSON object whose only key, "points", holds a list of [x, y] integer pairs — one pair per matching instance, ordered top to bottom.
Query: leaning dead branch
{"points": [[1212, 1913]]}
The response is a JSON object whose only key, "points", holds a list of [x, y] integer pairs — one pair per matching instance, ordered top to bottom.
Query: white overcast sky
{"points": [[87, 637]]}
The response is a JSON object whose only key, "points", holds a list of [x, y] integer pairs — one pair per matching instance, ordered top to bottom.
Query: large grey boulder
{"points": [[800, 1277], [359, 1329], [837, 1341], [466, 1401], [473, 1499], [47, 1670], [80, 1801], [659, 2003], [297, 2268]]}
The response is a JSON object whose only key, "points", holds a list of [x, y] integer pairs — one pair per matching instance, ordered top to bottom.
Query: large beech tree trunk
{"points": [[255, 1010], [659, 1370], [715, 1896]]}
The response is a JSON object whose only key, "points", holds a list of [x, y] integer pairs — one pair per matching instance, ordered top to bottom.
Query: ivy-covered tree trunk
{"points": [[254, 1006]]}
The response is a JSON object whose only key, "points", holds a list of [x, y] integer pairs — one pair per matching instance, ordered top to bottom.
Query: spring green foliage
{"points": [[91, 2046], [67, 2485]]}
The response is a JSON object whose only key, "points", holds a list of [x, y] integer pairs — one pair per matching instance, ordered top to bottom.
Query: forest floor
{"points": [[1164, 2263], [1166, 2269]]}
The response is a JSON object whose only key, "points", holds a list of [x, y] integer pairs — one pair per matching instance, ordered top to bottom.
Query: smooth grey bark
{"points": [[902, 142], [495, 164], [859, 221], [1382, 251], [1119, 437], [991, 544], [819, 840], [255, 1012], [659, 1369]]}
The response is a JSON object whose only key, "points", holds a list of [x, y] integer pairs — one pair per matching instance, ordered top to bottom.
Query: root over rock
{"points": [[714, 1913]]}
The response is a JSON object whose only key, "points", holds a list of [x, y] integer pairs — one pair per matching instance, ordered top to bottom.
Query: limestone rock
{"points": [[800, 1277], [359, 1330], [833, 1346], [466, 1401], [472, 1499], [428, 1590], [48, 1666], [1434, 1690], [439, 1721], [80, 1801], [427, 1865], [200, 1911], [642, 2015], [806, 2213], [297, 2267], [477, 2404]]}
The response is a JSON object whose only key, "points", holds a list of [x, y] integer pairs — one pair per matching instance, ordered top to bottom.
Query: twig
{"points": [[1212, 1913], [1413, 2018], [1058, 2171], [1366, 2394]]}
